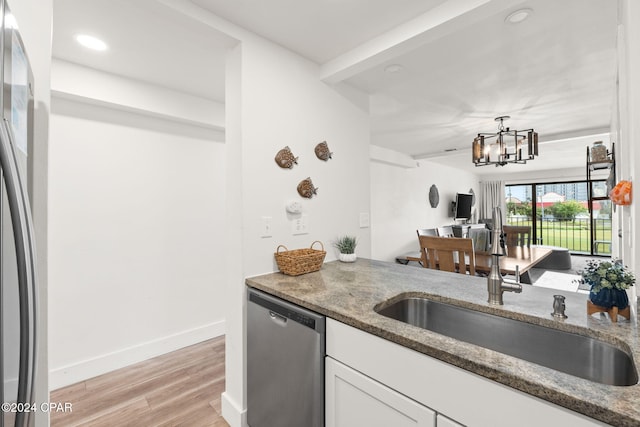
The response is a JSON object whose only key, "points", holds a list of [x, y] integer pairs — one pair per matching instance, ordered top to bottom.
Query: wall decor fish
{"points": [[322, 151], [285, 158], [306, 188]]}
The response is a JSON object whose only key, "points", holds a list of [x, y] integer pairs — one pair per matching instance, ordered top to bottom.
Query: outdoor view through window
{"points": [[564, 215]]}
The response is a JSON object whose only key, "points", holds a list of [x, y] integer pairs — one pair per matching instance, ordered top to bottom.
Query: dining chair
{"points": [[446, 231], [427, 232], [517, 235], [481, 239], [448, 254], [418, 256]]}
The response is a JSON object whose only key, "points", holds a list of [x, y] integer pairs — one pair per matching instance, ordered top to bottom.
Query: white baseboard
{"points": [[73, 373], [233, 414]]}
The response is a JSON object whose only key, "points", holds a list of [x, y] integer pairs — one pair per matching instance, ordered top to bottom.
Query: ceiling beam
{"points": [[224, 28], [426, 28], [391, 157]]}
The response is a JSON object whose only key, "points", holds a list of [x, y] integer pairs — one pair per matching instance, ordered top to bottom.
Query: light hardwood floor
{"points": [[181, 388]]}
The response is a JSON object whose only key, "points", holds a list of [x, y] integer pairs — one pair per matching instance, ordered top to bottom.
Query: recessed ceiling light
{"points": [[518, 16], [91, 42], [393, 68]]}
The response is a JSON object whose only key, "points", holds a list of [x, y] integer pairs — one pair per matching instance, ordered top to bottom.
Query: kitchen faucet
{"points": [[496, 284]]}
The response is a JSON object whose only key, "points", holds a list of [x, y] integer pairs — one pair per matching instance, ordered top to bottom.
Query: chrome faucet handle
{"points": [[517, 273], [559, 307]]}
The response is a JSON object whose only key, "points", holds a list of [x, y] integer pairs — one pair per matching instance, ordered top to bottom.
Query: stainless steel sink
{"points": [[570, 353]]}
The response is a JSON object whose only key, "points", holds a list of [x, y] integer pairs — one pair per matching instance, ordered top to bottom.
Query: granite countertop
{"points": [[348, 292]]}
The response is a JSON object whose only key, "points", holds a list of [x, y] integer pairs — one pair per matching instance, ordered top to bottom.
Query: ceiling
{"points": [[319, 30], [146, 42], [555, 71]]}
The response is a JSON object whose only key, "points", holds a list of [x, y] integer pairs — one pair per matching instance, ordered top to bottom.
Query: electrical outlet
{"points": [[266, 227]]}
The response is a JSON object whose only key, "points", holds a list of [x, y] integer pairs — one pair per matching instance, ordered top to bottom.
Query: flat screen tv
{"points": [[463, 205]]}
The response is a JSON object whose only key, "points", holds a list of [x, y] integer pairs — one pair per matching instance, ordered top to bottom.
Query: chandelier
{"points": [[508, 146]]}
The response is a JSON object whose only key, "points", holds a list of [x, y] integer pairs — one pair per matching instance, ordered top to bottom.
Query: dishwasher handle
{"points": [[284, 311], [278, 318]]}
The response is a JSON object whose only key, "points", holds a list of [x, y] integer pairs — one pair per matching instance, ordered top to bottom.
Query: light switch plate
{"points": [[364, 219], [265, 226]]}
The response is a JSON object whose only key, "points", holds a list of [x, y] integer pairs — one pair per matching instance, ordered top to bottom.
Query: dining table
{"points": [[523, 257]]}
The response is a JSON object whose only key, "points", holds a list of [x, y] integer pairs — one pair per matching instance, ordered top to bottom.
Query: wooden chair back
{"points": [[425, 232], [516, 235], [448, 254]]}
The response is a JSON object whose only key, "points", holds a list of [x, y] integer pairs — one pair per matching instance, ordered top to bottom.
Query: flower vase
{"points": [[347, 257], [608, 298]]}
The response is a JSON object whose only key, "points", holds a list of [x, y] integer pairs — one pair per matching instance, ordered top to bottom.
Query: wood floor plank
{"points": [[181, 388], [178, 391], [71, 393], [190, 409], [122, 415]]}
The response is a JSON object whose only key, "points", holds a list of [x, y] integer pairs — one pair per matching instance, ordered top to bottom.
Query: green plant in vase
{"points": [[346, 245], [609, 280]]}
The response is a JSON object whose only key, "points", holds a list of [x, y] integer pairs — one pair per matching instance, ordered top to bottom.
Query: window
{"points": [[560, 214]]}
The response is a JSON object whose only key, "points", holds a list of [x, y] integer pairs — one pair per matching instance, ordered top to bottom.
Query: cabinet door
{"points": [[353, 399], [443, 421]]}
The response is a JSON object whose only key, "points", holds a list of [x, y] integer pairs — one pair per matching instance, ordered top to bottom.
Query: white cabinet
{"points": [[453, 393], [352, 399]]}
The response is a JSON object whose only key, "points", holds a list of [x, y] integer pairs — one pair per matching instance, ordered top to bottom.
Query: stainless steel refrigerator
{"points": [[18, 287]]}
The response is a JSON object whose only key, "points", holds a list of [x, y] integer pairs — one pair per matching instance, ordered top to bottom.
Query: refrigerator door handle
{"points": [[25, 254]]}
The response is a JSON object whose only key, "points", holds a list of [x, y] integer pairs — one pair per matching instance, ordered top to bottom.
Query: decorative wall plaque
{"points": [[322, 151], [285, 158], [306, 188], [434, 196]]}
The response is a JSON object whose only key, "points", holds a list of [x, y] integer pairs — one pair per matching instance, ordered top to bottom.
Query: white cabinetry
{"points": [[459, 397], [352, 399]]}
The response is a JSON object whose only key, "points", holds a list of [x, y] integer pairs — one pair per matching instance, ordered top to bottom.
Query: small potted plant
{"points": [[346, 245], [609, 280]]}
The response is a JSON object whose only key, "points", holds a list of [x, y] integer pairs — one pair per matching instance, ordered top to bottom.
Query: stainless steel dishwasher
{"points": [[285, 363]]}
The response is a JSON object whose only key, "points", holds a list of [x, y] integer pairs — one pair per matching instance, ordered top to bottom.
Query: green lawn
{"points": [[573, 235]]}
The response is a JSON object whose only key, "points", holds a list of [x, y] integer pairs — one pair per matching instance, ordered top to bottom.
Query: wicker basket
{"points": [[300, 261]]}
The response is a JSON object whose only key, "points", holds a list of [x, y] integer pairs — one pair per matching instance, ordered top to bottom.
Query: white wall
{"points": [[279, 101], [283, 107], [629, 129], [400, 203], [137, 223]]}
